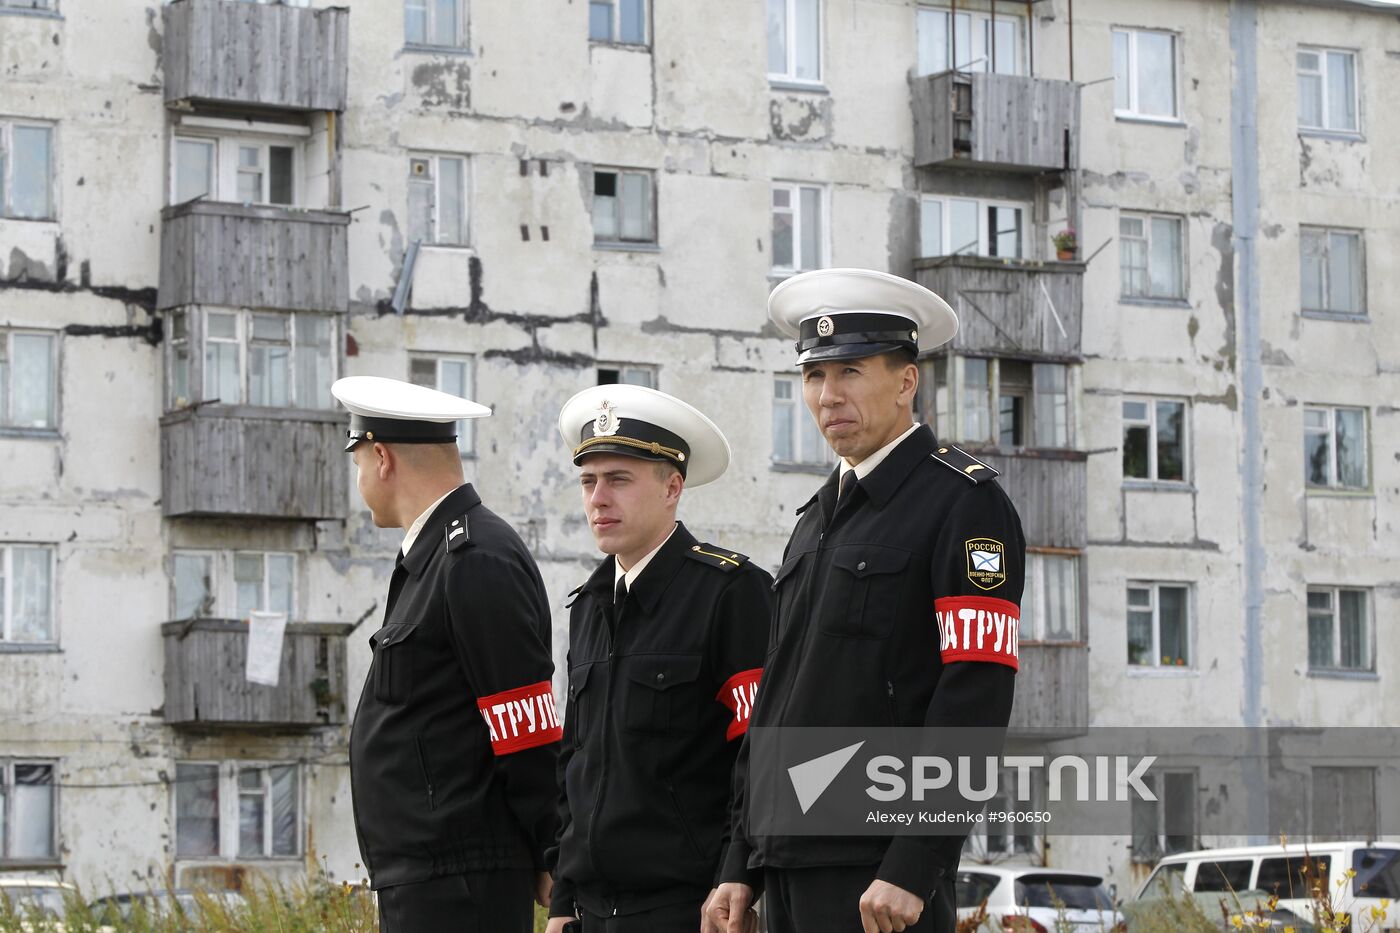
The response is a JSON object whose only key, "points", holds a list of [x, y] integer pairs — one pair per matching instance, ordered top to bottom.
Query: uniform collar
{"points": [[915, 447], [868, 465], [457, 502], [411, 535], [637, 568], [647, 587]]}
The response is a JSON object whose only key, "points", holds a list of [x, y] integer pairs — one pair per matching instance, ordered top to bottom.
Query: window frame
{"points": [[975, 18], [616, 27], [463, 39], [1322, 51], [789, 76], [1133, 113], [226, 167], [7, 168], [794, 190], [434, 222], [1326, 234], [985, 236], [653, 240], [1183, 262], [197, 339], [653, 371], [7, 389], [961, 397], [801, 422], [466, 430], [1153, 467], [1334, 483], [223, 580], [7, 586], [1155, 587], [1334, 615], [1033, 622], [1156, 782], [7, 784], [228, 816], [1344, 831], [1024, 837]]}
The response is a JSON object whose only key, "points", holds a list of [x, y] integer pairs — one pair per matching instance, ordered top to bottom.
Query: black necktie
{"points": [[848, 482], [620, 594]]}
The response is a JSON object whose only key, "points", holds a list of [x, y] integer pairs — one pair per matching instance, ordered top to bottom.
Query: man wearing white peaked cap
{"points": [[455, 740]]}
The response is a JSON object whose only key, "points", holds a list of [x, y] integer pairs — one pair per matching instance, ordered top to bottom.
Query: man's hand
{"points": [[544, 887], [887, 908], [727, 910], [556, 924]]}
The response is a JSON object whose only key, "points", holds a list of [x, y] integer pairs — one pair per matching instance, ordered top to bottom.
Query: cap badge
{"points": [[825, 327], [914, 336], [607, 422]]}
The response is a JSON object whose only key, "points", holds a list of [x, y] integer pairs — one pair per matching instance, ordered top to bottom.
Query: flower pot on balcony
{"points": [[1066, 255]]}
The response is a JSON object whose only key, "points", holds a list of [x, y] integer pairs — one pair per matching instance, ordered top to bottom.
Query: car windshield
{"points": [[1166, 881], [1072, 891], [46, 899]]}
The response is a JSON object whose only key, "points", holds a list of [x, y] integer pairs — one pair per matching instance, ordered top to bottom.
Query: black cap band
{"points": [[861, 327], [399, 431], [634, 438]]}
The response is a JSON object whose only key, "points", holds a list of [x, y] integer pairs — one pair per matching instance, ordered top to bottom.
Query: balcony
{"points": [[256, 54], [996, 121], [237, 255], [1013, 306], [246, 462], [1049, 489], [205, 684], [1052, 691]]}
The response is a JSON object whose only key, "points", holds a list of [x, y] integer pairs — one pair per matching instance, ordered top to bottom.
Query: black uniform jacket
{"points": [[867, 631], [659, 699], [455, 741]]}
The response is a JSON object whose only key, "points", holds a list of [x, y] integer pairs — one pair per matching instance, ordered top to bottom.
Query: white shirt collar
{"points": [[868, 465], [417, 527], [639, 566]]}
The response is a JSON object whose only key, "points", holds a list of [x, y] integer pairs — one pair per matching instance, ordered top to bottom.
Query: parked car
{"points": [[1292, 872], [37, 895], [1030, 900], [118, 908], [1254, 910]]}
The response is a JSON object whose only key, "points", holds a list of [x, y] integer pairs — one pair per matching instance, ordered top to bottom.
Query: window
{"points": [[27, 4], [622, 21], [440, 23], [794, 40], [982, 44], [1144, 74], [1327, 90], [239, 169], [26, 171], [437, 200], [623, 211], [799, 227], [968, 227], [1150, 256], [1332, 263], [277, 360], [627, 374], [455, 375], [28, 379], [1032, 403], [796, 437], [1154, 440], [1334, 448], [256, 581], [26, 595], [1050, 603], [1159, 630], [1339, 630], [1343, 804], [237, 810], [28, 811], [1168, 824], [1011, 837], [1377, 873], [1223, 876], [1293, 876], [974, 888]]}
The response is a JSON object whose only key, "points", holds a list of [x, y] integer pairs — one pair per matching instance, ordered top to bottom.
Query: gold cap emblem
{"points": [[825, 326], [607, 421]]}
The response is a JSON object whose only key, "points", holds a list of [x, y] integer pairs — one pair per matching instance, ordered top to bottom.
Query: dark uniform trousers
{"points": [[872, 608], [473, 902], [673, 918]]}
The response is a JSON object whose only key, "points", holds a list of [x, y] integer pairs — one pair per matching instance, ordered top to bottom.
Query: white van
{"points": [[1292, 871]]}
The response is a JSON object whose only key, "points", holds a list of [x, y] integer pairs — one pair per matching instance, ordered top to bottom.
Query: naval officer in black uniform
{"points": [[907, 537], [666, 644], [454, 743]]}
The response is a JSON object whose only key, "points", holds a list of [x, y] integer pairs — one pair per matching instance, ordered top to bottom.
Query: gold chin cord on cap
{"points": [[650, 446]]}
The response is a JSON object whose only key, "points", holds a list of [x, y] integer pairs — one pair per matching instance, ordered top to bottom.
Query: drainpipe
{"points": [[1244, 185]]}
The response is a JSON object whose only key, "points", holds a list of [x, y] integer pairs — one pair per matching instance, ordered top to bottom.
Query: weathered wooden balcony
{"points": [[256, 54], [995, 121], [237, 255], [1012, 306], [242, 461], [1049, 489], [206, 687], [1052, 691]]}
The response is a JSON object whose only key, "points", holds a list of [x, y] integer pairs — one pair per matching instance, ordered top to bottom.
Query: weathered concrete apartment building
{"points": [[211, 209]]}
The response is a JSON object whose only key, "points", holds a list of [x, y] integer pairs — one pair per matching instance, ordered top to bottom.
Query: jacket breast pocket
{"points": [[863, 594], [784, 599], [393, 662], [662, 695], [582, 702]]}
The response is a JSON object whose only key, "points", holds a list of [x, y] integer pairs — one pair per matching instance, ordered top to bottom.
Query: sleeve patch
{"points": [[986, 564], [979, 628], [738, 695], [521, 718]]}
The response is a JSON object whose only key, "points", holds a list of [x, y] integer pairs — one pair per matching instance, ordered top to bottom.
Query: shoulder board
{"points": [[964, 464], [806, 505], [458, 536], [716, 556], [573, 595]]}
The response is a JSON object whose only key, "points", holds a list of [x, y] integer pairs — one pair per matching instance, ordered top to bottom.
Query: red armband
{"points": [[979, 628], [738, 694], [521, 718]]}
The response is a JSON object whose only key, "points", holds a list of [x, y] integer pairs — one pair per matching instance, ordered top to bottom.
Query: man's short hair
{"points": [[900, 357], [664, 469]]}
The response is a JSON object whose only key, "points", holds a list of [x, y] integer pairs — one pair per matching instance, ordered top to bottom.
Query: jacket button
{"points": [[860, 566], [660, 677]]}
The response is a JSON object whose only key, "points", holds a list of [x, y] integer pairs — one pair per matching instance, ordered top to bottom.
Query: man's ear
{"points": [[909, 383], [384, 461], [675, 485]]}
